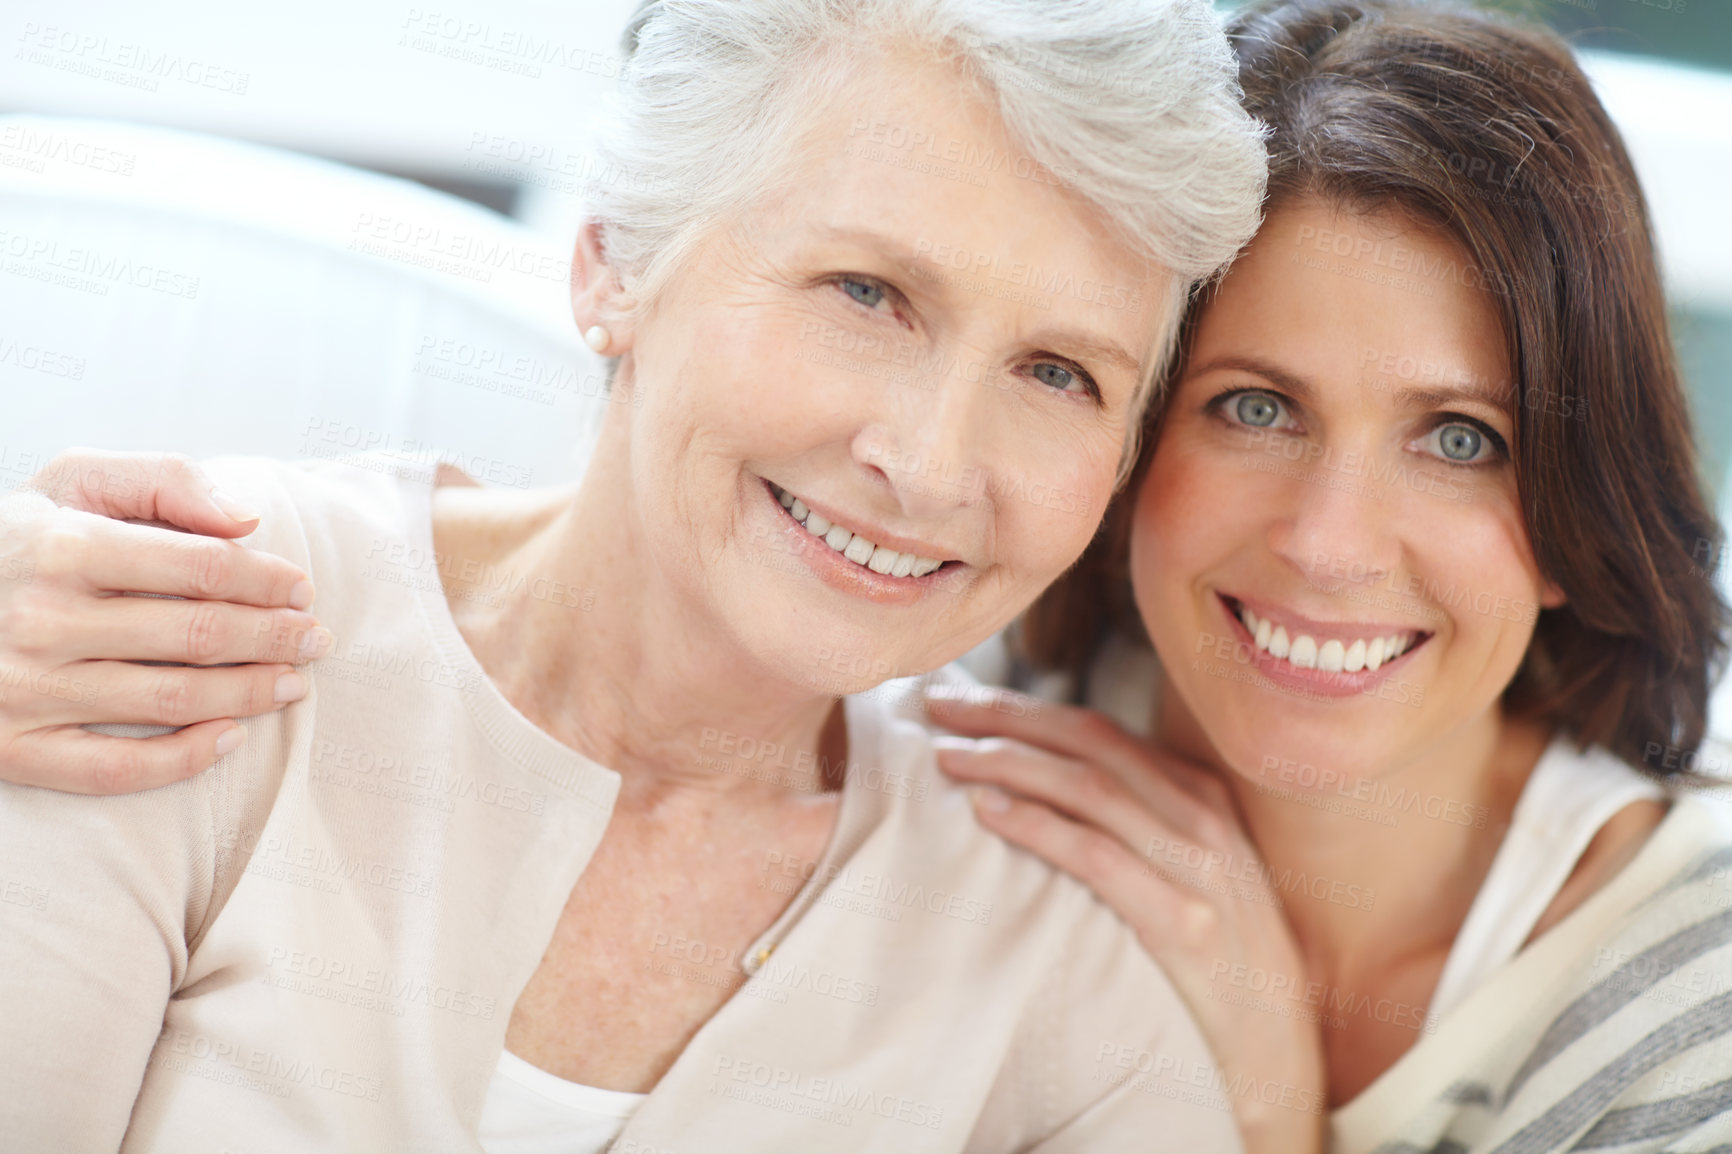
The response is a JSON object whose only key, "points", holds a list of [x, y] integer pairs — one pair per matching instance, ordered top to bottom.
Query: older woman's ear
{"points": [[599, 302]]}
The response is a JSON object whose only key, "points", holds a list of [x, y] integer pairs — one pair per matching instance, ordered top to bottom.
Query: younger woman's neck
{"points": [[1373, 869]]}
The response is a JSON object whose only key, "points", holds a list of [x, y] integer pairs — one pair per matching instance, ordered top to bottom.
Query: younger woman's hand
{"points": [[69, 641], [1160, 841]]}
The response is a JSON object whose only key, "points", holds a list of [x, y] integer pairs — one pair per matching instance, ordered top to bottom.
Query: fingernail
{"points": [[235, 510], [301, 596], [314, 642], [291, 687], [230, 740], [989, 799]]}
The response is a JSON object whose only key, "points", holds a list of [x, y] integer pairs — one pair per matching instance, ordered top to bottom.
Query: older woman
{"points": [[568, 842]]}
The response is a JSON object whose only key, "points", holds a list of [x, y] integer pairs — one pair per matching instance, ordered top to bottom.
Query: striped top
{"points": [[1613, 1031]]}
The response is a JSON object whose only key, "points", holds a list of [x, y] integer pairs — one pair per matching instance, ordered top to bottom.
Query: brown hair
{"points": [[1489, 131]]}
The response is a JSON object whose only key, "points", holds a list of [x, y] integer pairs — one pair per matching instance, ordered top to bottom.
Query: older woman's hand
{"points": [[68, 641], [1160, 841]]}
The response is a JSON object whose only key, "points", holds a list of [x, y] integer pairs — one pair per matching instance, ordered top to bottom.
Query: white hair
{"points": [[1132, 104]]}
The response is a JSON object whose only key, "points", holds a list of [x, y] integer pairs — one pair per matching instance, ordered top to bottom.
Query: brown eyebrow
{"points": [[1290, 383], [1301, 389], [1436, 398]]}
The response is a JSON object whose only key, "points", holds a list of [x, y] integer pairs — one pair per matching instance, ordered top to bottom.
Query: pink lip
{"points": [[844, 575], [1313, 682]]}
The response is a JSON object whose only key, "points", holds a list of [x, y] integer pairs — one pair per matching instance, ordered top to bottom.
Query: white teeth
{"points": [[857, 549], [1332, 655]]}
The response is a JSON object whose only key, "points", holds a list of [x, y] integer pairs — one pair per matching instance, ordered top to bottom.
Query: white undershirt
{"points": [[530, 1111]]}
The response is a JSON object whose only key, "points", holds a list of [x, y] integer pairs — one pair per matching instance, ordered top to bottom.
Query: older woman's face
{"points": [[885, 412], [1328, 547]]}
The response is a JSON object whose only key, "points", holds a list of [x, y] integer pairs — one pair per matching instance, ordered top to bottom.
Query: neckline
{"points": [[514, 735], [541, 753], [1568, 798], [859, 812], [853, 816], [565, 1093], [1362, 1122]]}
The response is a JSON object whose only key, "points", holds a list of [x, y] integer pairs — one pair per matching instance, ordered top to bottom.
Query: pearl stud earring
{"points": [[597, 338]]}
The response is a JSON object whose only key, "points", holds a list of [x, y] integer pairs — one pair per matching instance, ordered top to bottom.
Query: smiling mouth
{"points": [[863, 552], [1352, 650]]}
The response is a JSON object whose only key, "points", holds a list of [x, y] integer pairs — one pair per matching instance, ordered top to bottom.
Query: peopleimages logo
{"points": [[1381, 795], [835, 1092]]}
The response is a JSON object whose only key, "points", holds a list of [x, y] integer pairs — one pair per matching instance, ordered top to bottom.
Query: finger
{"points": [[164, 487], [144, 559], [190, 632], [116, 691], [1070, 730], [1066, 733], [74, 760], [1078, 789], [1154, 907]]}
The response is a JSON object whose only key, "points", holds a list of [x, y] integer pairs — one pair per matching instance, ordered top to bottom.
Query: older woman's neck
{"points": [[593, 648]]}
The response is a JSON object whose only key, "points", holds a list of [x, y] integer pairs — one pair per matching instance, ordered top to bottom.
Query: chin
{"points": [[1262, 734]]}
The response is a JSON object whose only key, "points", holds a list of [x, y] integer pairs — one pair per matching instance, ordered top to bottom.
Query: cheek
{"points": [[740, 376], [730, 387], [1048, 511], [1185, 517], [1477, 558]]}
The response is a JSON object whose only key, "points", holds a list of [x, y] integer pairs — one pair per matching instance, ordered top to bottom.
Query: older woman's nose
{"points": [[928, 445]]}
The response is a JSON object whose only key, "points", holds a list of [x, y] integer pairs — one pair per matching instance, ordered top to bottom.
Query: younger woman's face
{"points": [[1328, 547]]}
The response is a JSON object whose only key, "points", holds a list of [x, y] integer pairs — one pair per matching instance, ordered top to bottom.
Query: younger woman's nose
{"points": [[1336, 527]]}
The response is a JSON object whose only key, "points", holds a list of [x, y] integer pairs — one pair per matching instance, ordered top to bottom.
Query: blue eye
{"points": [[865, 292], [1057, 376], [1259, 410], [1459, 443], [1462, 444]]}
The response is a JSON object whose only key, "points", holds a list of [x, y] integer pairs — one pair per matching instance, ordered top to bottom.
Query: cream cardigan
{"points": [[316, 945]]}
